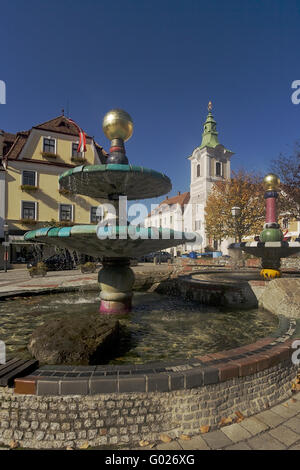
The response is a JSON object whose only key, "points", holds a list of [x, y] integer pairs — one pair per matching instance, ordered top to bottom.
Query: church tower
{"points": [[210, 162]]}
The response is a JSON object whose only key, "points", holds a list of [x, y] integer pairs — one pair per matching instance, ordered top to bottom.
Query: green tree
{"points": [[243, 190]]}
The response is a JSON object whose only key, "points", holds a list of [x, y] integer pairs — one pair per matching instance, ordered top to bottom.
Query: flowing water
{"points": [[159, 327]]}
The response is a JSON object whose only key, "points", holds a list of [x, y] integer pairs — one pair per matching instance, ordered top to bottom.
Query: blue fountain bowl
{"points": [[109, 181], [111, 241]]}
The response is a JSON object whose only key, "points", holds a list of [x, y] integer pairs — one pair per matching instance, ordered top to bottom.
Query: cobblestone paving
{"points": [[274, 429]]}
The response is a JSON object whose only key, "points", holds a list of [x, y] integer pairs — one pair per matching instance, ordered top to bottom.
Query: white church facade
{"points": [[210, 162]]}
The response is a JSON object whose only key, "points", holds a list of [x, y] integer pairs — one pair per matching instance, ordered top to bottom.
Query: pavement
{"points": [[19, 280], [277, 428]]}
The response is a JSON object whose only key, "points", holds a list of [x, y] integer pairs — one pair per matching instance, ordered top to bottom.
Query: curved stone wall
{"points": [[108, 405], [60, 421]]}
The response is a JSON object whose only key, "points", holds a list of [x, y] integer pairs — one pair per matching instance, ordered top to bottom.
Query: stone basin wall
{"points": [[292, 262], [187, 265], [225, 294], [247, 380], [60, 421]]}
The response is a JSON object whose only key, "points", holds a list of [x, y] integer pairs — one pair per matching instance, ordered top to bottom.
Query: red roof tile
{"points": [[59, 124], [14, 143], [180, 199]]}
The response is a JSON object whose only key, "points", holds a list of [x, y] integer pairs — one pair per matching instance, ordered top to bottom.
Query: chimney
{"points": [[178, 194]]}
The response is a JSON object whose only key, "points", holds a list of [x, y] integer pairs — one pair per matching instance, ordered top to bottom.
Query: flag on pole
{"points": [[82, 139], [4, 162], [285, 237]]}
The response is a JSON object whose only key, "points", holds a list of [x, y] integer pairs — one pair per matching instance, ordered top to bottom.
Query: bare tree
{"points": [[288, 170]]}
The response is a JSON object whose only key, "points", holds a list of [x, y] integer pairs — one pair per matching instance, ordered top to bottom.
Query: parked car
{"points": [[208, 255], [163, 256], [147, 258], [58, 262]]}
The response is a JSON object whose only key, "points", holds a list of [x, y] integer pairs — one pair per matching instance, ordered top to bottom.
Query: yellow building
{"points": [[30, 196], [289, 226]]}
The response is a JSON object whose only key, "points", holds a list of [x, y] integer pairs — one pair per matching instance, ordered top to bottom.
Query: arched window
{"points": [[218, 169], [198, 170]]}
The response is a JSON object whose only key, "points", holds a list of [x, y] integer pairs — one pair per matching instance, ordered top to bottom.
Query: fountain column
{"points": [[271, 232], [116, 278]]}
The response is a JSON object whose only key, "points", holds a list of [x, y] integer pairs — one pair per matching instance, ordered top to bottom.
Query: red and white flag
{"points": [[82, 138], [5, 162], [285, 235]]}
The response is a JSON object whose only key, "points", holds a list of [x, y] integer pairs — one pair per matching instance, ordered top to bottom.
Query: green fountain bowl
{"points": [[109, 181], [271, 235], [111, 241]]}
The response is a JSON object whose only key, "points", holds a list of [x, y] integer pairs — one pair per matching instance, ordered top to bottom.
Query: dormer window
{"points": [[49, 145], [75, 154]]}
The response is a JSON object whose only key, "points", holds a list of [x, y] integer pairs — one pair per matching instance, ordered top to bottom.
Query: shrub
{"points": [[49, 155], [78, 159], [28, 187], [28, 221], [88, 267], [39, 270]]}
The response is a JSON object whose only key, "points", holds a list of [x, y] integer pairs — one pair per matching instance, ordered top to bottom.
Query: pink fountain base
{"points": [[271, 215], [108, 307]]}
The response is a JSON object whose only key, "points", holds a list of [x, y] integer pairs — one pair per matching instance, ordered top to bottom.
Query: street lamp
{"points": [[236, 212], [5, 230]]}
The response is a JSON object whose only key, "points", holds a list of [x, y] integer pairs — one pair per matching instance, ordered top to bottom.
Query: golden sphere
{"points": [[117, 124], [271, 182]]}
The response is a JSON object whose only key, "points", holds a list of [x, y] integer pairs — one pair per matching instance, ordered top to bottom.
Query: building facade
{"points": [[209, 162], [31, 163], [170, 214]]}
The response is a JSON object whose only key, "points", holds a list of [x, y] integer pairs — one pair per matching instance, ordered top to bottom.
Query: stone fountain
{"points": [[114, 239], [271, 247]]}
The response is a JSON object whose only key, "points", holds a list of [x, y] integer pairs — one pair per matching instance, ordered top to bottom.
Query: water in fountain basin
{"points": [[160, 327]]}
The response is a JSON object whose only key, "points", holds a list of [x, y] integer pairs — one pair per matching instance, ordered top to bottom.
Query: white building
{"points": [[210, 162], [170, 214]]}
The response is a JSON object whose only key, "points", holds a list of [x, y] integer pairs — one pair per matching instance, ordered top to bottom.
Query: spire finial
{"points": [[63, 112], [210, 135]]}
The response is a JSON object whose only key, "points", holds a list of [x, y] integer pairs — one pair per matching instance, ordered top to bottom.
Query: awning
{"points": [[19, 240]]}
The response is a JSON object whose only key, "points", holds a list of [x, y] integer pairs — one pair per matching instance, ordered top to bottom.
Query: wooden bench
{"points": [[16, 368]]}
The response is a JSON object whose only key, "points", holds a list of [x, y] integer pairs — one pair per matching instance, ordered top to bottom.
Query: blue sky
{"points": [[162, 61]]}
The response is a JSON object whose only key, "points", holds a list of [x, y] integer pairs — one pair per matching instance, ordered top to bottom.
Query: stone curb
{"points": [[161, 377], [248, 434]]}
